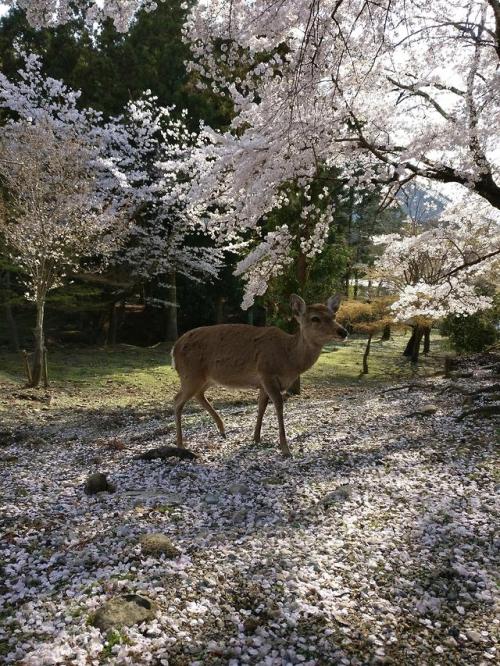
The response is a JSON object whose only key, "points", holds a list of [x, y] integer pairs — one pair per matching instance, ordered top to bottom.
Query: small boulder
{"points": [[164, 452], [98, 483], [211, 499], [158, 544], [124, 611]]}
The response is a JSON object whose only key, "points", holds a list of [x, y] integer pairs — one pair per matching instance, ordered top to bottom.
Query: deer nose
{"points": [[344, 334]]}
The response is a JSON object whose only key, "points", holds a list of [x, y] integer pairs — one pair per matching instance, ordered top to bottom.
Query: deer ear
{"points": [[333, 303], [297, 304]]}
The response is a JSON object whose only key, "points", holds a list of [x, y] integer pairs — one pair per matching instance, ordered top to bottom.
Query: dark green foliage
{"points": [[357, 216], [473, 333]]}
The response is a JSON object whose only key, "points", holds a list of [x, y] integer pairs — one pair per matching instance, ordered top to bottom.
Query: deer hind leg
{"points": [[273, 389], [186, 393], [263, 402], [218, 421]]}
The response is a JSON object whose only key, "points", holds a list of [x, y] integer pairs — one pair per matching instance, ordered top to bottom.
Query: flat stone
{"points": [[427, 410], [164, 452], [273, 481], [238, 489], [211, 499], [158, 544], [124, 611]]}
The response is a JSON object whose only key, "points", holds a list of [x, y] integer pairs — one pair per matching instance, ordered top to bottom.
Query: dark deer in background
{"points": [[243, 356]]}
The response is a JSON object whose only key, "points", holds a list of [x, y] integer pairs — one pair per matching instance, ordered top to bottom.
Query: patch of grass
{"points": [[342, 364], [142, 378], [113, 637]]}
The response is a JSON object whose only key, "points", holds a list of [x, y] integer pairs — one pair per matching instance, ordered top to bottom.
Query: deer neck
{"points": [[306, 351]]}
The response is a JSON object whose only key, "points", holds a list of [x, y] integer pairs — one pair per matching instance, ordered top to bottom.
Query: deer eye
{"points": [[315, 319]]}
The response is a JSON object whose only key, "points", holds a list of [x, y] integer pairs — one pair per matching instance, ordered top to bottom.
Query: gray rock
{"points": [[427, 410], [6, 458], [98, 483], [238, 489], [211, 499], [158, 544], [124, 611], [474, 636]]}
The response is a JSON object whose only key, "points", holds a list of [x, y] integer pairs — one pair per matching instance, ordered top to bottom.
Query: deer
{"points": [[245, 356]]}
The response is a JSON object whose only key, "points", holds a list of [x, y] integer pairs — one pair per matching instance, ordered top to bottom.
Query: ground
{"points": [[374, 544]]}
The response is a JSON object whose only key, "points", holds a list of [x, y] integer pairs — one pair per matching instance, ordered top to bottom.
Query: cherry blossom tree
{"points": [[55, 12], [384, 92], [154, 157], [59, 206], [437, 272]]}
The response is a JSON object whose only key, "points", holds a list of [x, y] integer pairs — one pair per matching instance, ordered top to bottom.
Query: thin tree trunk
{"points": [[219, 310], [9, 316], [112, 328], [171, 329], [386, 333], [427, 339], [409, 344], [366, 354], [38, 356], [294, 389]]}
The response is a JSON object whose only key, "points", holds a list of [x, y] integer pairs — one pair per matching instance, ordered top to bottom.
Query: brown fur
{"points": [[242, 356]]}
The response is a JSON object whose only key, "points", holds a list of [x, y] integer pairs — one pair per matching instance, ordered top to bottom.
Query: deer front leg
{"points": [[273, 389], [263, 402]]}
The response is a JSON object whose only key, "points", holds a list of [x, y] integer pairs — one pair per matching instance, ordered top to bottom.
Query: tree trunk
{"points": [[301, 279], [347, 281], [356, 286], [219, 310], [9, 316], [113, 325], [171, 330], [386, 333], [427, 339], [409, 344], [412, 349], [366, 354], [38, 356]]}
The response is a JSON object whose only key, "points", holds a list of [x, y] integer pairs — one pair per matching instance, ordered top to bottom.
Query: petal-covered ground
{"points": [[375, 544]]}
